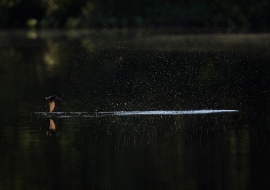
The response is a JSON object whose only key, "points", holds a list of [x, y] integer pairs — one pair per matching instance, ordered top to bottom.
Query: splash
{"points": [[130, 113]]}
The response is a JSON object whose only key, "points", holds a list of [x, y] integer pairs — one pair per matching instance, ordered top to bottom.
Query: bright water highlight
{"points": [[130, 113]]}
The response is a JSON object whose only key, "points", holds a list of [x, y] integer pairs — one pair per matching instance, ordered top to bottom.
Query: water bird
{"points": [[52, 100]]}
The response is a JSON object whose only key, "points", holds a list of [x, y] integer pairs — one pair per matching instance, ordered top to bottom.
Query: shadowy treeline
{"points": [[241, 14]]}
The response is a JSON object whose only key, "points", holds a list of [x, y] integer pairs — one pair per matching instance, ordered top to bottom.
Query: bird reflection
{"points": [[55, 127], [52, 128]]}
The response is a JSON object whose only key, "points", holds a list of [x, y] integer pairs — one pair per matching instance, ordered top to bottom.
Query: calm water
{"points": [[121, 122]]}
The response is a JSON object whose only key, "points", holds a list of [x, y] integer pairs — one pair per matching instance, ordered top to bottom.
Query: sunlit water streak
{"points": [[130, 113]]}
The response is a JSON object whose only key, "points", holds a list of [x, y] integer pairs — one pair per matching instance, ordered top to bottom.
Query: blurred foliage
{"points": [[248, 15]]}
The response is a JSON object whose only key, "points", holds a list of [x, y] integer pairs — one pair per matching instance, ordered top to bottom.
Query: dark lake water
{"points": [[140, 109]]}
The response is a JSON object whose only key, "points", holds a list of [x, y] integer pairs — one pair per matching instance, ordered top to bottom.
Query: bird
{"points": [[52, 100]]}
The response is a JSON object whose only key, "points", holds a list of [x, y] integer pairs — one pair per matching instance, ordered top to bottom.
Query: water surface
{"points": [[140, 110]]}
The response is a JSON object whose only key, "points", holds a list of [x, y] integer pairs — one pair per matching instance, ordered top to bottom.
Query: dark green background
{"points": [[244, 16]]}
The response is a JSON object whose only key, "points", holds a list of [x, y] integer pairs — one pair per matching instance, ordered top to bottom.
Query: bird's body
{"points": [[52, 100]]}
